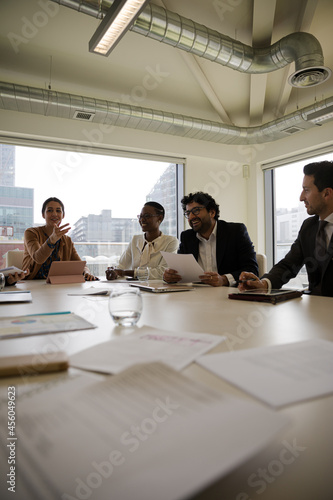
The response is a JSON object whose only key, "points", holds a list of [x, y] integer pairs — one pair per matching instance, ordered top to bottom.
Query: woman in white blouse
{"points": [[145, 249]]}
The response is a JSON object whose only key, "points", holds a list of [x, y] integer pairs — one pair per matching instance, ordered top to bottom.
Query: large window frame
{"points": [[72, 148], [269, 173]]}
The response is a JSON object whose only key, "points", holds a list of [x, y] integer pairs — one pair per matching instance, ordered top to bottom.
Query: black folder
{"points": [[274, 296]]}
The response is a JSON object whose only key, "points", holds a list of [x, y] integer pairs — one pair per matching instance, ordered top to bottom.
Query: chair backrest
{"points": [[14, 258], [262, 263]]}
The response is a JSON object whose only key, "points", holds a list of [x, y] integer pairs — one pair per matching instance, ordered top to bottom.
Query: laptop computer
{"points": [[66, 271], [159, 288]]}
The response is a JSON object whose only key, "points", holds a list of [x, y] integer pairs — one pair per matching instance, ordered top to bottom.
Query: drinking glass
{"points": [[142, 273], [2, 281], [125, 306]]}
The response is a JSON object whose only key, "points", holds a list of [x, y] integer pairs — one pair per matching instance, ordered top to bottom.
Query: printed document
{"points": [[185, 264], [35, 324], [147, 344], [278, 375], [149, 433]]}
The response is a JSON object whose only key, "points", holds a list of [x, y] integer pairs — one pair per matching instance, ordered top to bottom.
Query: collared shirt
{"points": [[207, 251], [141, 252], [207, 254]]}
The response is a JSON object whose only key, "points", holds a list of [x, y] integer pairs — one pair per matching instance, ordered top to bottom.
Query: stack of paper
{"points": [[148, 433]]}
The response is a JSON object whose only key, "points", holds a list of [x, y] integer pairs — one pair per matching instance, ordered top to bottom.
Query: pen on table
{"points": [[244, 281]]}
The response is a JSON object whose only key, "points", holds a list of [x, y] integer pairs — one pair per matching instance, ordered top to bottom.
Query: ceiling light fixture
{"points": [[116, 22], [321, 116]]}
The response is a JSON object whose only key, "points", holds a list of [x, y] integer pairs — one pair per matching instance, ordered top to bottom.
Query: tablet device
{"points": [[11, 270], [66, 271], [274, 296]]}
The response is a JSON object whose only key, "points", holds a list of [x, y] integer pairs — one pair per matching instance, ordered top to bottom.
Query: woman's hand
{"points": [[58, 232], [112, 274], [90, 277], [13, 278]]}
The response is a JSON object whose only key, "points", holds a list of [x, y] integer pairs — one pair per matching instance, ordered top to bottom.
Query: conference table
{"points": [[245, 325]]}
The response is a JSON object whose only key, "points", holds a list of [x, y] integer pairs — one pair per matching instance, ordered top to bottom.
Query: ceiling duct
{"points": [[168, 27], [62, 105]]}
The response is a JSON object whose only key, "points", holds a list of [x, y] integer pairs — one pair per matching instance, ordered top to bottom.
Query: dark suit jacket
{"points": [[234, 249], [302, 252]]}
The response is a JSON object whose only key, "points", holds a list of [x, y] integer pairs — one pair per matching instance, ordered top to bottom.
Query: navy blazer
{"points": [[234, 249], [302, 252]]}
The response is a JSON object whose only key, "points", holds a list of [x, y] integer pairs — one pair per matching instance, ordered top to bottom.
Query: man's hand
{"points": [[171, 276], [214, 279], [249, 281]]}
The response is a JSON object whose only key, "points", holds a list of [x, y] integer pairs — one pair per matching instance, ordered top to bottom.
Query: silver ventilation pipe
{"points": [[170, 28], [62, 105]]}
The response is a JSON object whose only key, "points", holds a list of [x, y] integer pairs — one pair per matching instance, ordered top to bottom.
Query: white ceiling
{"points": [[56, 53]]}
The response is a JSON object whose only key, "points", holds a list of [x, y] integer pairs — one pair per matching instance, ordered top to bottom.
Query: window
{"points": [[102, 195], [285, 212]]}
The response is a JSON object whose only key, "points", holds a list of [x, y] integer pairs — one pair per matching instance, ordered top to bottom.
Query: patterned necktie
{"points": [[320, 249]]}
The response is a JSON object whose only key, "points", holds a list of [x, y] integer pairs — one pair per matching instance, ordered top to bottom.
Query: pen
{"points": [[244, 281]]}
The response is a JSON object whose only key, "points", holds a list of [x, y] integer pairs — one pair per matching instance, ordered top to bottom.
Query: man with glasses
{"points": [[223, 249]]}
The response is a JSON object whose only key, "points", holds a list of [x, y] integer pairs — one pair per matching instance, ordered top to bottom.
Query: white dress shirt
{"points": [[141, 252], [207, 254]]}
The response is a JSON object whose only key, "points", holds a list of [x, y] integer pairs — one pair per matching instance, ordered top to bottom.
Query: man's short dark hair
{"points": [[322, 172], [204, 199], [159, 209]]}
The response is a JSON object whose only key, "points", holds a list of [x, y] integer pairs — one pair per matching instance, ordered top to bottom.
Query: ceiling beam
{"points": [[262, 26], [199, 74]]}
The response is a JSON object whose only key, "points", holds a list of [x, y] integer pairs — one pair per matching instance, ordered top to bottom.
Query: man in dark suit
{"points": [[314, 244], [223, 249]]}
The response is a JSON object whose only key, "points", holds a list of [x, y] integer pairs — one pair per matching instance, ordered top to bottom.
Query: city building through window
{"points": [[102, 195]]}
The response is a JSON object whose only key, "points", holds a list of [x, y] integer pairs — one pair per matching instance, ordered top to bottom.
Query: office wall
{"points": [[231, 174]]}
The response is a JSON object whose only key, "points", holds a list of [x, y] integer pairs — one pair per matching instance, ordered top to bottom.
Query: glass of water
{"points": [[142, 273], [125, 306]]}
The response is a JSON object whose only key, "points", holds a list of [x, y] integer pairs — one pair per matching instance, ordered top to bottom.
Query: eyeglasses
{"points": [[194, 211], [146, 216]]}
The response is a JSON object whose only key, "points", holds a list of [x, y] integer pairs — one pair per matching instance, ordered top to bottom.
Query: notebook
{"points": [[66, 271], [144, 286], [15, 296], [273, 296]]}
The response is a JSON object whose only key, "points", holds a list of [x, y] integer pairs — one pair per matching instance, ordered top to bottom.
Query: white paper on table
{"points": [[185, 265], [35, 324], [147, 344], [278, 375], [148, 433]]}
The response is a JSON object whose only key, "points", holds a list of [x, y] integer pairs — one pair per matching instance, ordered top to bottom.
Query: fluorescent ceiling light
{"points": [[117, 21], [321, 116]]}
